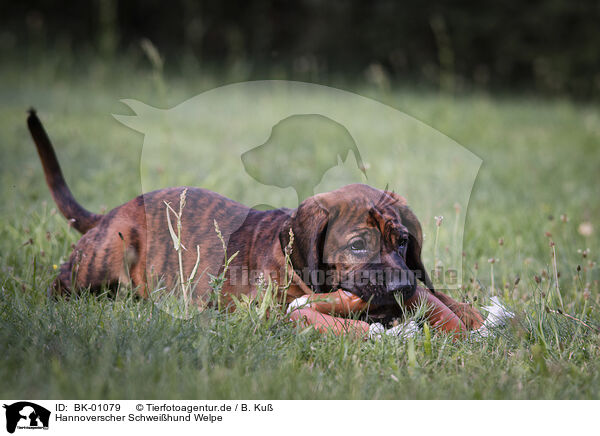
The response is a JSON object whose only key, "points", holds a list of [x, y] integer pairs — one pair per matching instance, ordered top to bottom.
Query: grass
{"points": [[538, 184]]}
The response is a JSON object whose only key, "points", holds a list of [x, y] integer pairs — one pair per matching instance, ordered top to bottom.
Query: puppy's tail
{"points": [[81, 219]]}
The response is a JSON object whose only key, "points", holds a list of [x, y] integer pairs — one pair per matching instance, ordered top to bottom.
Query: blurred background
{"points": [[548, 47]]}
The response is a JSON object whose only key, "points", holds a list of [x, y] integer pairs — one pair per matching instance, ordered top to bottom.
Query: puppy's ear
{"points": [[309, 224], [415, 240]]}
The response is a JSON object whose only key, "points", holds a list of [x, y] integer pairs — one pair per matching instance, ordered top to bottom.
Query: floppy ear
{"points": [[309, 224], [415, 240], [415, 243]]}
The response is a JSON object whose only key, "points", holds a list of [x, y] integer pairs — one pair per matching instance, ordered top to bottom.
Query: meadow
{"points": [[531, 233]]}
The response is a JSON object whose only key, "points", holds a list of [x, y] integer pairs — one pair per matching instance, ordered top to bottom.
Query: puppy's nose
{"points": [[403, 281]]}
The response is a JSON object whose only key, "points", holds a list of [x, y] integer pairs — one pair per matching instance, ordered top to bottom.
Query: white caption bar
{"points": [[23, 417]]}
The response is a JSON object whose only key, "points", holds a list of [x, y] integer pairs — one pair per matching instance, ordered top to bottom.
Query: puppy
{"points": [[358, 239]]}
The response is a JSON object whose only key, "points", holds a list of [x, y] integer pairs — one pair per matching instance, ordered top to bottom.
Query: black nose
{"points": [[401, 281]]}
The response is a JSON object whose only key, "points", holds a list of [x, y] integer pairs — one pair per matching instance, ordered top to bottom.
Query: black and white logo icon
{"points": [[26, 415]]}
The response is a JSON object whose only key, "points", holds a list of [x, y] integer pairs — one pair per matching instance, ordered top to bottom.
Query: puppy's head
{"points": [[359, 239]]}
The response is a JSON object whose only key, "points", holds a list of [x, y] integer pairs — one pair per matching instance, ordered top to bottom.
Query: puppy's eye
{"points": [[358, 245]]}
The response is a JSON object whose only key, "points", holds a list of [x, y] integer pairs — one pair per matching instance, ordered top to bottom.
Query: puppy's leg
{"points": [[106, 255], [61, 284], [324, 306], [438, 314], [468, 315], [326, 323]]}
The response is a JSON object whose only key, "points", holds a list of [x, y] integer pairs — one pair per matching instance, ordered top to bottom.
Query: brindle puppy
{"points": [[357, 238]]}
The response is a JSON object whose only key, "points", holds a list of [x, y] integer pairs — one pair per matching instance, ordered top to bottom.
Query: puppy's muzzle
{"points": [[401, 283], [382, 287]]}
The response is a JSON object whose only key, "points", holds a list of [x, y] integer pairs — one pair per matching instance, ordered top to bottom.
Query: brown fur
{"points": [[131, 244]]}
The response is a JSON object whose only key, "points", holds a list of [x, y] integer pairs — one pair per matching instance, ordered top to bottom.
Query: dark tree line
{"points": [[553, 45]]}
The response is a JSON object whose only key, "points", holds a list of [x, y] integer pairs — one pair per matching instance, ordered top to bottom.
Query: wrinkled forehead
{"points": [[345, 216], [374, 223]]}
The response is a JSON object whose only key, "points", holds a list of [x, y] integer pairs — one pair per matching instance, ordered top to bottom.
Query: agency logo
{"points": [[26, 415]]}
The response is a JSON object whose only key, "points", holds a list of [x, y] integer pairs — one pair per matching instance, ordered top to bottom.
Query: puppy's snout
{"points": [[401, 281]]}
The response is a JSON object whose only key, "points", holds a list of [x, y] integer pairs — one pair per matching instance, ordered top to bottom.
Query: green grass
{"points": [[540, 160]]}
